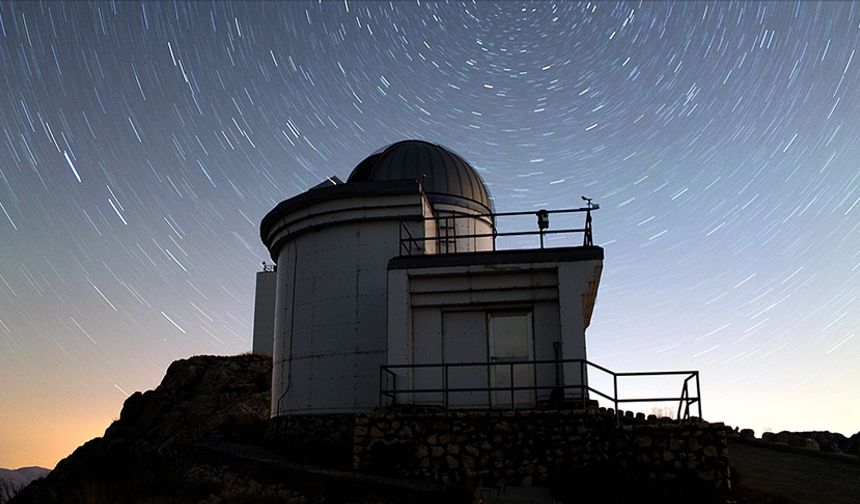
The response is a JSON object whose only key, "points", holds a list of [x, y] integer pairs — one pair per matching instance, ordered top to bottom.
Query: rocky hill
{"points": [[147, 456]]}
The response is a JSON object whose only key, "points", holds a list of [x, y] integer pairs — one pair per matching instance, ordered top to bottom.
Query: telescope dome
{"points": [[445, 176]]}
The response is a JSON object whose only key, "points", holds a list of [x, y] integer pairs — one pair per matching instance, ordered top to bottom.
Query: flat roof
{"points": [[544, 255]]}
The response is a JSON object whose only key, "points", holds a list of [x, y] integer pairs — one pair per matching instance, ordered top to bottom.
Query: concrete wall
{"points": [[264, 313]]}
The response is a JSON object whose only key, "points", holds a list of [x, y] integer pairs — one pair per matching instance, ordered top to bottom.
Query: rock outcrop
{"points": [[817, 440], [825, 441], [147, 454]]}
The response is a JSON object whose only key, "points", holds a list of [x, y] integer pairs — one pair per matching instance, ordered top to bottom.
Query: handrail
{"points": [[412, 243], [382, 372], [388, 384]]}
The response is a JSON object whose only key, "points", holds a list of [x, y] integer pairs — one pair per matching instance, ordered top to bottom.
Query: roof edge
{"points": [[335, 192], [492, 257]]}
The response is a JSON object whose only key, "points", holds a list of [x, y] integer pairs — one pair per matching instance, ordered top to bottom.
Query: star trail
{"points": [[142, 143]]}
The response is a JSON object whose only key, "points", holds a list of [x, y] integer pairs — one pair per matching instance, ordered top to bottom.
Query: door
{"points": [[464, 342], [510, 351]]}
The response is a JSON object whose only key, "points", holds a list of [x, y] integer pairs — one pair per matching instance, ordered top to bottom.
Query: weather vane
{"points": [[589, 204]]}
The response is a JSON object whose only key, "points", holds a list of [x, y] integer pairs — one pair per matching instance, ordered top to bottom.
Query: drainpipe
{"points": [[292, 326]]}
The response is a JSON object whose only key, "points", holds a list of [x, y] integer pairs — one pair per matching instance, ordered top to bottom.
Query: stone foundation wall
{"points": [[322, 439], [536, 447], [558, 448]]}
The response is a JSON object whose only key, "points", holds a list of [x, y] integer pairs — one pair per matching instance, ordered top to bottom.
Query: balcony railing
{"points": [[447, 238], [504, 385]]}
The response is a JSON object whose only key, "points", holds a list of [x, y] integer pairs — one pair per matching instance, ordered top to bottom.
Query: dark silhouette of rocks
{"points": [[825, 441], [147, 455]]}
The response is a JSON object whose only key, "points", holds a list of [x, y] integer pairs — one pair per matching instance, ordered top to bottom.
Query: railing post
{"points": [[454, 227], [586, 239], [582, 383], [394, 386], [445, 386], [512, 386], [380, 387], [698, 395], [615, 397], [683, 399]]}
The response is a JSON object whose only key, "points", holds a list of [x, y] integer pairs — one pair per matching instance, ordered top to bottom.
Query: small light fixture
{"points": [[542, 219]]}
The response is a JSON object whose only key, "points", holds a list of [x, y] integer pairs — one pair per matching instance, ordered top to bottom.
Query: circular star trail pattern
{"points": [[142, 143]]}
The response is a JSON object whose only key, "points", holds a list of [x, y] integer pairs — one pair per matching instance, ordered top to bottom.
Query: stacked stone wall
{"points": [[323, 439], [536, 447]]}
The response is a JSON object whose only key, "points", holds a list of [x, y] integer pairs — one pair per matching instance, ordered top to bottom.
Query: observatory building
{"points": [[403, 285]]}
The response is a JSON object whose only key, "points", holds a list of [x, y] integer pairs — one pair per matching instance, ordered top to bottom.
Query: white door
{"points": [[464, 341], [510, 348]]}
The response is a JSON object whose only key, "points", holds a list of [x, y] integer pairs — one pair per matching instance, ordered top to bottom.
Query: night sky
{"points": [[142, 143]]}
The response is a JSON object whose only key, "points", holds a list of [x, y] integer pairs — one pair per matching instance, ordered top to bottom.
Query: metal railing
{"points": [[446, 237], [553, 382]]}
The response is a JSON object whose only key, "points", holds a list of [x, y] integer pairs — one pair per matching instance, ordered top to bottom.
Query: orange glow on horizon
{"points": [[45, 442]]}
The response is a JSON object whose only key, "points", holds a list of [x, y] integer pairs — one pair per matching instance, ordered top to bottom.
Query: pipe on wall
{"points": [[292, 326]]}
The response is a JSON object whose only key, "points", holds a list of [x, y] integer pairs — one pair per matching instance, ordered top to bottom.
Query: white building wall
{"points": [[574, 281], [264, 313], [337, 317], [331, 321], [546, 330]]}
